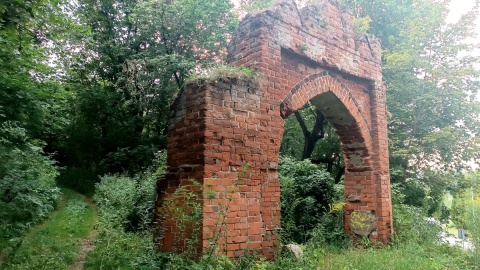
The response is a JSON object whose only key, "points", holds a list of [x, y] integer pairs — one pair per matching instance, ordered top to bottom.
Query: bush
{"points": [[27, 182], [306, 194], [126, 202], [125, 207], [411, 225], [330, 229], [117, 249]]}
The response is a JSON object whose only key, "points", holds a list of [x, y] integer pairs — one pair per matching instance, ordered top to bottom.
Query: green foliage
{"points": [[387, 17], [362, 24], [135, 57], [432, 81], [430, 88], [30, 94], [31, 102], [327, 152], [27, 182], [306, 192], [463, 199], [126, 202], [125, 206], [187, 211], [472, 220], [410, 222], [411, 226], [330, 230], [55, 243], [117, 249], [406, 256]]}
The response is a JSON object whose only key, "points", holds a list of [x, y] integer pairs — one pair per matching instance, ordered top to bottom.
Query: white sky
{"points": [[459, 7]]}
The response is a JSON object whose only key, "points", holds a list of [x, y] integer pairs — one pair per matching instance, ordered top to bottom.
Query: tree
{"points": [[136, 58], [431, 86], [31, 102], [321, 145], [464, 198]]}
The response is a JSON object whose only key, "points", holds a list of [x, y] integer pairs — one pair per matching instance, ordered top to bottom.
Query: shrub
{"points": [[27, 182], [306, 194], [126, 202], [125, 207], [411, 226], [330, 229], [117, 249]]}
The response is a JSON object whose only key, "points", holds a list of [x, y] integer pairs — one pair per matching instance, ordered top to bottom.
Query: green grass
{"points": [[56, 243], [115, 249], [407, 256]]}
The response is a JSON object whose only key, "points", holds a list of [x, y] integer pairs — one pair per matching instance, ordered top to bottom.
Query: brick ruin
{"points": [[224, 136]]}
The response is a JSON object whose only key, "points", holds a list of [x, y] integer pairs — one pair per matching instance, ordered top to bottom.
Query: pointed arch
{"points": [[340, 108]]}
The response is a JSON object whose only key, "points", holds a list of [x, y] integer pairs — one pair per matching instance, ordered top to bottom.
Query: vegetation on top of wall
{"points": [[221, 71]]}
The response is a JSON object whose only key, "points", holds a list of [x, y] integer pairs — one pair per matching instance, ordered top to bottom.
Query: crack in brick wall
{"points": [[226, 135]]}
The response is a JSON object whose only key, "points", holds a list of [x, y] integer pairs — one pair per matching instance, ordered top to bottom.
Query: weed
{"points": [[302, 47]]}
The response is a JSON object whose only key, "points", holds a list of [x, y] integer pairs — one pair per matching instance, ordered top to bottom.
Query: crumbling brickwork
{"points": [[226, 135]]}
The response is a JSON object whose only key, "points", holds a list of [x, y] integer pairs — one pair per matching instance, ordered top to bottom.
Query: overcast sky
{"points": [[459, 7]]}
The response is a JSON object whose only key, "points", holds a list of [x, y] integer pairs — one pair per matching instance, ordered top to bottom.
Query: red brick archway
{"points": [[226, 135]]}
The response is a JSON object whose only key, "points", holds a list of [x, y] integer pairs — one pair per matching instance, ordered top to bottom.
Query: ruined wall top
{"points": [[324, 33]]}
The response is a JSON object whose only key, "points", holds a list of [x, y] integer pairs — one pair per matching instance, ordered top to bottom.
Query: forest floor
{"points": [[62, 241]]}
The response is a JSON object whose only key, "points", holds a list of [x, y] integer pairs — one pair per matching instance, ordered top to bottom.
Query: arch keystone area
{"points": [[224, 137]]}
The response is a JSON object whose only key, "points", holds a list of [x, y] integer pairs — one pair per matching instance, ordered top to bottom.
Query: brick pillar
{"points": [[228, 153], [381, 163]]}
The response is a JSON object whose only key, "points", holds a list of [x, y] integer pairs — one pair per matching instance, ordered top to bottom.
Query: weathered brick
{"points": [[219, 128]]}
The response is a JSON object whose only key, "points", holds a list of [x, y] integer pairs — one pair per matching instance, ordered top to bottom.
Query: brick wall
{"points": [[227, 135]]}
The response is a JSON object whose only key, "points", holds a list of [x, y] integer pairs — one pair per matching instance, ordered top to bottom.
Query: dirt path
{"points": [[87, 245]]}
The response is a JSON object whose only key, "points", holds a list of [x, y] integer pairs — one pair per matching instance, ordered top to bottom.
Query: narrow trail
{"points": [[61, 241], [87, 245]]}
